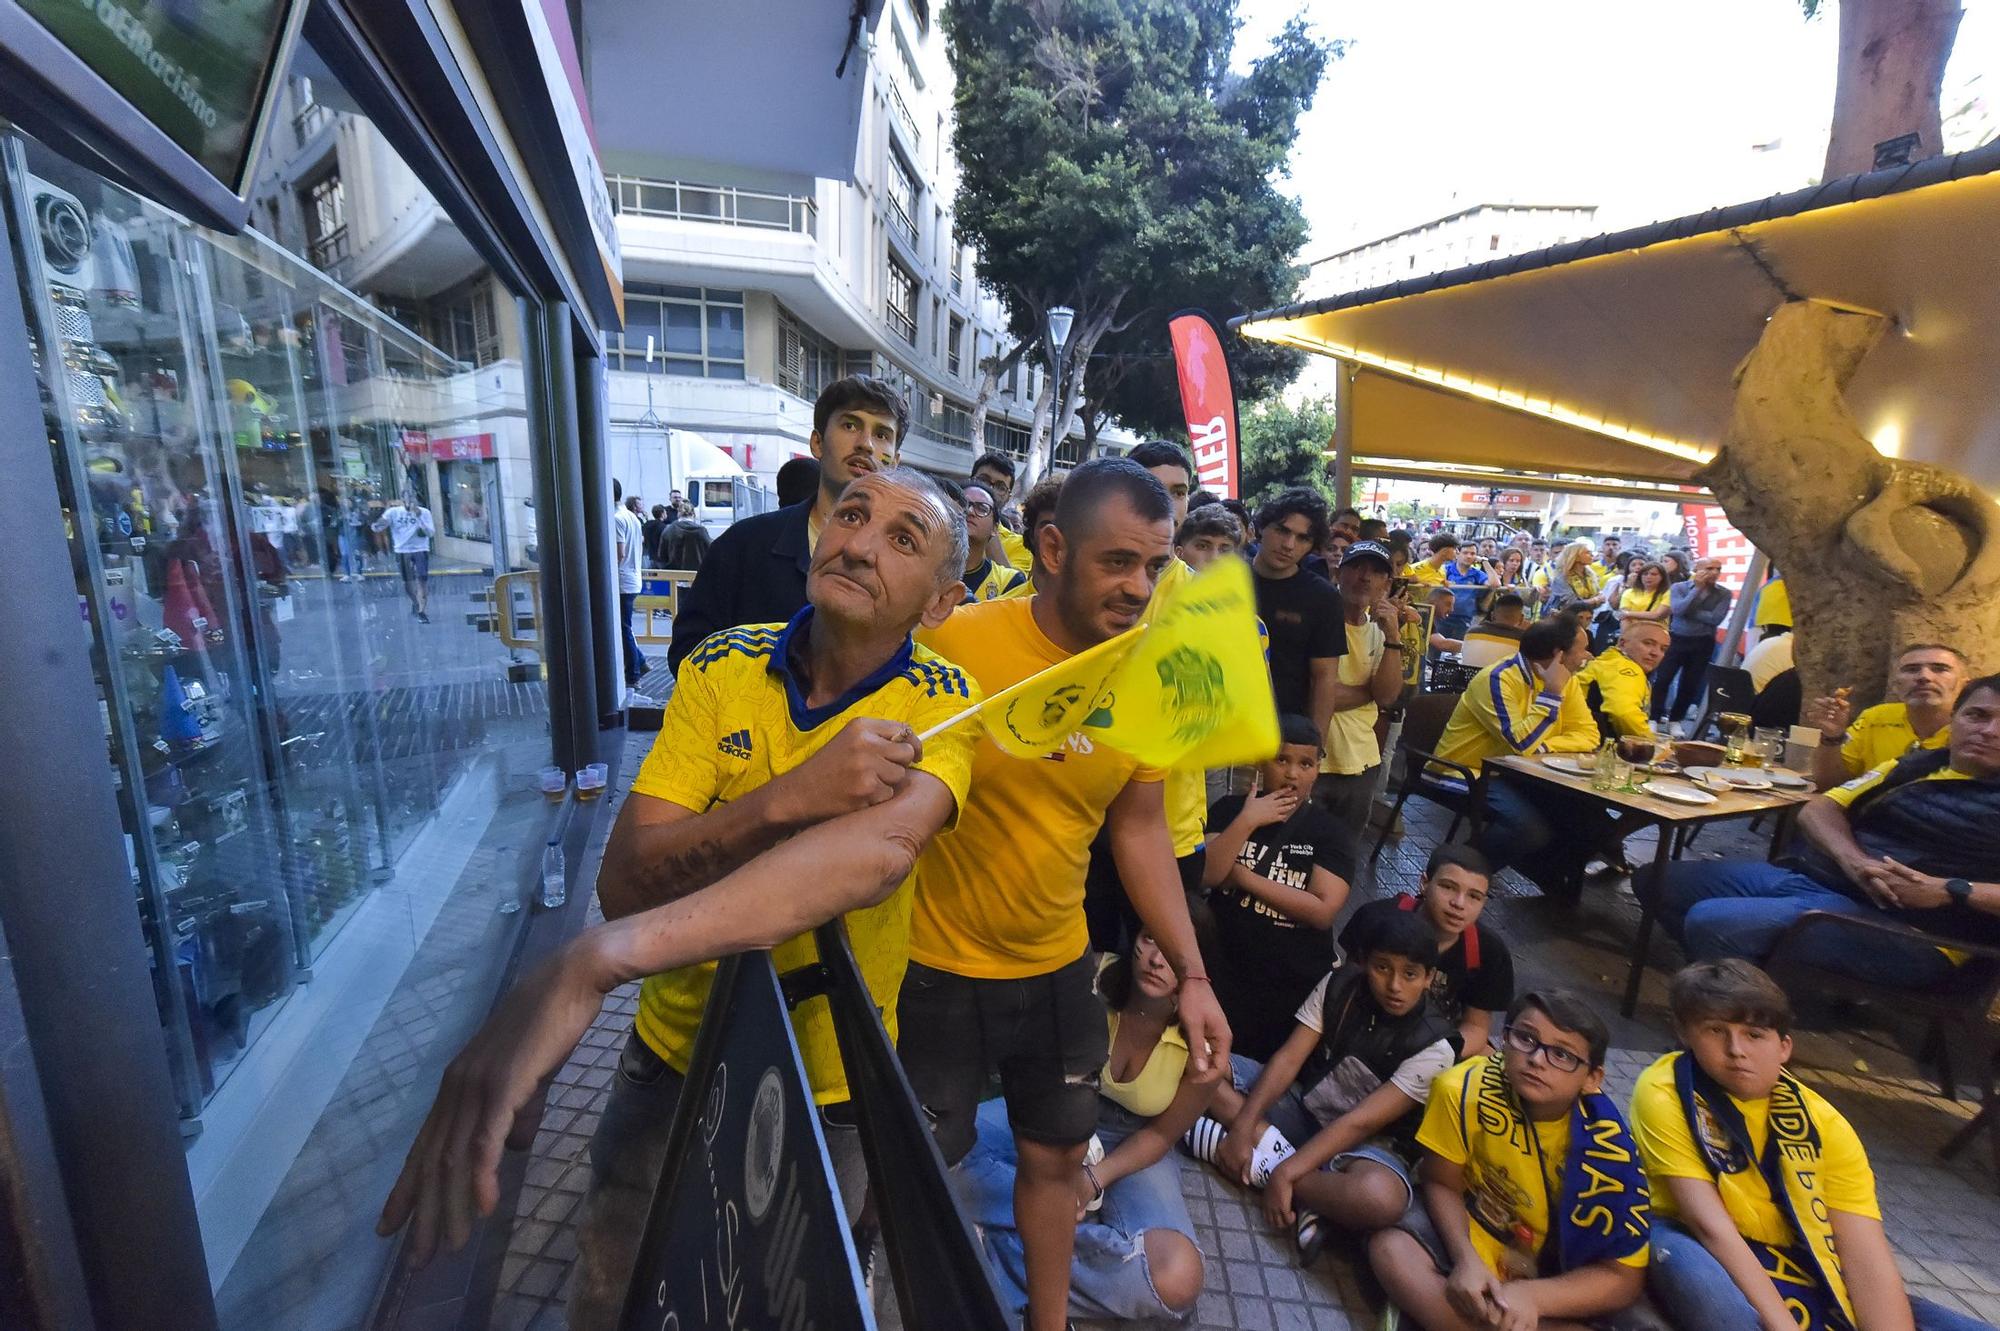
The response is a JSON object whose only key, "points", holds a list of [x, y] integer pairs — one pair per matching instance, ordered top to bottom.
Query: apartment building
{"points": [[1457, 240]]}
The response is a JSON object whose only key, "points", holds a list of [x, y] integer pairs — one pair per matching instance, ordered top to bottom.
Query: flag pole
{"points": [[1104, 648]]}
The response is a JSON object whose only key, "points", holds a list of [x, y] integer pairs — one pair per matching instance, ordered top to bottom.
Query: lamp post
{"points": [[1061, 319]]}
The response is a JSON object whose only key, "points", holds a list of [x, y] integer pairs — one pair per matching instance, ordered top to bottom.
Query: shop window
{"points": [[900, 301]]}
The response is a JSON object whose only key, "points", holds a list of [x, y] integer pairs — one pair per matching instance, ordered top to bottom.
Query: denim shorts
{"points": [[1289, 1115]]}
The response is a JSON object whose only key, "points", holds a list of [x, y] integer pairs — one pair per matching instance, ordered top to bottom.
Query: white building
{"points": [[1457, 240], [759, 282]]}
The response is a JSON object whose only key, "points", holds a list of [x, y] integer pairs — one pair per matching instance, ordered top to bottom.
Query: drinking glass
{"points": [[1734, 726]]}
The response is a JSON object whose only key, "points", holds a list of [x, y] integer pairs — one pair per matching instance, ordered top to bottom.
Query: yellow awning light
{"points": [[1289, 333], [1888, 439]]}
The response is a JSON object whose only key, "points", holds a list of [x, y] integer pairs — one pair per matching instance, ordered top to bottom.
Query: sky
{"points": [[1648, 110]]}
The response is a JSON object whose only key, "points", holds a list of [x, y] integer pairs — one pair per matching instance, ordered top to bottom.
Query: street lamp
{"points": [[1061, 319]]}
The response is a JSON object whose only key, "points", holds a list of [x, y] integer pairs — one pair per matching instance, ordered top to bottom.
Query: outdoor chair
{"points": [[1452, 677], [1729, 690], [1424, 718], [1957, 1012]]}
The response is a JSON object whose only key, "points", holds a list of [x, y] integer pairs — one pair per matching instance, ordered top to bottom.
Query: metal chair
{"points": [[1452, 677], [1729, 690], [1424, 720], [1957, 1009]]}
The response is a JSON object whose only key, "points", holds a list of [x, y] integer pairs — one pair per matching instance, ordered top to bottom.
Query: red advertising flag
{"points": [[1208, 402]]}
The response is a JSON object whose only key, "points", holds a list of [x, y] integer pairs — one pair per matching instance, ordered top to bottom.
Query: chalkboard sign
{"points": [[746, 1231]]}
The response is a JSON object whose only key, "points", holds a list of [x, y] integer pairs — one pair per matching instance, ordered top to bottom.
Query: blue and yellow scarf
{"points": [[1604, 1210], [1806, 1272]]}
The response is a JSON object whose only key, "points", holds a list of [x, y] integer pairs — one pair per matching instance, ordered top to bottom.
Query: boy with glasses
{"points": [[986, 578], [1535, 1209]]}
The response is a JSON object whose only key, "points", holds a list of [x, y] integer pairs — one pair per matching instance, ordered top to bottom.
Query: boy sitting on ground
{"points": [[1278, 867], [1475, 972], [1326, 1127], [1535, 1206], [1767, 1217]]}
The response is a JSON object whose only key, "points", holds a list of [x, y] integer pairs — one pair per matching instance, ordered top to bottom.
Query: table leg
{"points": [[1643, 943]]}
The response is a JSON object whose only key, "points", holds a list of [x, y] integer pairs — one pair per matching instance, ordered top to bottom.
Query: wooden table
{"points": [[1675, 820]]}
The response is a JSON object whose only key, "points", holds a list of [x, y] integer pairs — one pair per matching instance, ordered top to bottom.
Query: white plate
{"points": [[1574, 766], [1742, 778], [1785, 779], [1678, 791]]}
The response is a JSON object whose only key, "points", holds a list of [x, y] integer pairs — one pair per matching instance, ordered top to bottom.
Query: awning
{"points": [[1614, 356]]}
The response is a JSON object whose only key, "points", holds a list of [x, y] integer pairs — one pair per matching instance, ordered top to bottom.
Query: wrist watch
{"points": [[1959, 890]]}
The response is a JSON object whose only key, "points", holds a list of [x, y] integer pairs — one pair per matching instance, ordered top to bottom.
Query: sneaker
{"points": [[423, 618], [1309, 1232]]}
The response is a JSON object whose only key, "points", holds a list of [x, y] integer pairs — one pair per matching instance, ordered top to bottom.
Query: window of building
{"points": [[902, 196], [325, 206], [957, 265], [900, 302], [464, 327], [696, 332], [953, 356], [807, 362], [1006, 437]]}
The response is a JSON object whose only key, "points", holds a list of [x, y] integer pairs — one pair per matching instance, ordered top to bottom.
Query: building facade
{"points": [[1469, 236], [755, 288]]}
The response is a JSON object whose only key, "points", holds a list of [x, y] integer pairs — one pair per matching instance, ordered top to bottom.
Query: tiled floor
{"points": [[1944, 1220]]}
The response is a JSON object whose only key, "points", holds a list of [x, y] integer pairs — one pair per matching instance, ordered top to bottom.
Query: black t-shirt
{"points": [[1304, 616], [1270, 962], [1457, 986]]}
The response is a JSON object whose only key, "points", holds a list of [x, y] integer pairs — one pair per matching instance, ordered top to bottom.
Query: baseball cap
{"points": [[1369, 550]]}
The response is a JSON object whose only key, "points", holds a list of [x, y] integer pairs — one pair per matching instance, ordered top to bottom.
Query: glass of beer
{"points": [[1734, 725], [1637, 749], [1756, 753]]}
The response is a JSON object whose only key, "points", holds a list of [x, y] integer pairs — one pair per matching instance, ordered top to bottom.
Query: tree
{"points": [[1891, 71], [1110, 162], [1285, 446]]}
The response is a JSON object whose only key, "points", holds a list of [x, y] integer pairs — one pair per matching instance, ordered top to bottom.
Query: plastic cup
{"points": [[552, 781], [590, 781]]}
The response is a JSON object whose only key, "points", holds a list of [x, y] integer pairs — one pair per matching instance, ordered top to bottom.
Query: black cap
{"points": [[1370, 550]]}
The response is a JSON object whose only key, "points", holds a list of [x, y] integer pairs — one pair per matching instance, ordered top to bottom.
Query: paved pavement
{"points": [[1943, 1219]]}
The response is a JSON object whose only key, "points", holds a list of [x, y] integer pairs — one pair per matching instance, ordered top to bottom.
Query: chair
{"points": [[1452, 677], [1729, 690], [1424, 720], [1958, 1008]]}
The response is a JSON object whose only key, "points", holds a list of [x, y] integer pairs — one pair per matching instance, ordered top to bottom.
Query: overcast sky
{"points": [[1648, 110]]}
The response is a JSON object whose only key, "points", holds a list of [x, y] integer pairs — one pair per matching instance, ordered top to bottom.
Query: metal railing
{"points": [[902, 110], [311, 118], [721, 205], [899, 217], [327, 250], [903, 322]]}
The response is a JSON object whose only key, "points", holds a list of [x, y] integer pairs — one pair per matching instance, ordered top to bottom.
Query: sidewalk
{"points": [[1943, 1220]]}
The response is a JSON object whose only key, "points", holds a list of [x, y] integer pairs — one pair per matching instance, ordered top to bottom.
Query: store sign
{"points": [[200, 78], [451, 448], [1501, 499]]}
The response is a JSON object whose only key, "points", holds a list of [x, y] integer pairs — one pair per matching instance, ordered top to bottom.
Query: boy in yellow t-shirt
{"points": [[1765, 1205], [1534, 1208]]}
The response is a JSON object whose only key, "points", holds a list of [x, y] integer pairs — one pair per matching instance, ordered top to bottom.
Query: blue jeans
{"points": [[1522, 818], [1737, 908], [1109, 1275], [1695, 1291]]}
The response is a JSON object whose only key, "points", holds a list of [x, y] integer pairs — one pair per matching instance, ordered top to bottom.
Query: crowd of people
{"points": [[1144, 962]]}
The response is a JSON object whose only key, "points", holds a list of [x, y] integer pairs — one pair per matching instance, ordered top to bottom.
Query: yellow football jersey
{"points": [[992, 580], [737, 719], [1001, 895]]}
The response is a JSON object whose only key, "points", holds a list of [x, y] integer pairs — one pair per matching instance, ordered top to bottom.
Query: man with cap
{"points": [[1371, 678]]}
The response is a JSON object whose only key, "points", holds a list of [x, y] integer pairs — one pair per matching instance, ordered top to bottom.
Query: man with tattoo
{"points": [[787, 786]]}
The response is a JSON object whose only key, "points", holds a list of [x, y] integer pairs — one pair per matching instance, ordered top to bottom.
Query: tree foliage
{"points": [[1111, 162], [1285, 446]]}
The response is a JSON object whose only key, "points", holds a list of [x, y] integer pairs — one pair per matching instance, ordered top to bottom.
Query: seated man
{"points": [[1441, 600], [1498, 635], [1923, 683], [1616, 685], [1531, 703], [787, 787], [1916, 840], [1475, 972], [1326, 1127], [1534, 1205], [1764, 1209]]}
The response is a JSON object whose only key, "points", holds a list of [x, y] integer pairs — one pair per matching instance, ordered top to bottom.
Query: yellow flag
{"points": [[1194, 691], [1032, 718]]}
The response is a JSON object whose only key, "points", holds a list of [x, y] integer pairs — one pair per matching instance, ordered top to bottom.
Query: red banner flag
{"points": [[1208, 402]]}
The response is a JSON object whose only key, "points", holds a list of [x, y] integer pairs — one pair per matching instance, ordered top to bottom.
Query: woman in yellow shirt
{"points": [[1645, 596], [1135, 1247]]}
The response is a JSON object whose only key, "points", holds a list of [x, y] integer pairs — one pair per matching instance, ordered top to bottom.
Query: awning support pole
{"points": [[1343, 433], [1739, 616]]}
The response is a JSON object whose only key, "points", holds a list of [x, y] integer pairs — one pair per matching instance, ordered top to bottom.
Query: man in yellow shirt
{"points": [[996, 472], [1038, 509], [1430, 569], [986, 578], [1774, 607], [1371, 678], [1926, 678], [1616, 685], [1532, 703], [787, 787], [1915, 841], [1000, 976], [1749, 1230]]}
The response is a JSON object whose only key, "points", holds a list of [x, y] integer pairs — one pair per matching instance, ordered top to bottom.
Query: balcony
{"points": [[901, 110], [310, 120], [722, 205], [327, 250], [902, 322]]}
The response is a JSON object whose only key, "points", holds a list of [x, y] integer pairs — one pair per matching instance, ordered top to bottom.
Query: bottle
{"points": [[1604, 772], [554, 890], [1518, 1260]]}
